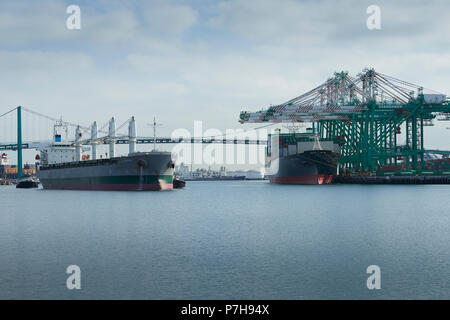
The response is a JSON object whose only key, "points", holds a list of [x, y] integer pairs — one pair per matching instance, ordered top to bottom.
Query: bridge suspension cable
{"points": [[8, 112], [53, 119]]}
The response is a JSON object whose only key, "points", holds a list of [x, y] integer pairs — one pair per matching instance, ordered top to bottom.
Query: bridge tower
{"points": [[19, 142]]}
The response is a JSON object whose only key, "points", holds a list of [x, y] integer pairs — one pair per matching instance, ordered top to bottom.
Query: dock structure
{"points": [[366, 115], [413, 179]]}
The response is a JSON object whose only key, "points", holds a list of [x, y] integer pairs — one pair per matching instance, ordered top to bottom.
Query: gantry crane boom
{"points": [[365, 114]]}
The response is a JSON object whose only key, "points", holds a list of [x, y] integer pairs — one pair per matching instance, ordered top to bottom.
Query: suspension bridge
{"points": [[40, 134]]}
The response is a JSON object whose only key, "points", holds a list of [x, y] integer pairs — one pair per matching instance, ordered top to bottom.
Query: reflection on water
{"points": [[227, 239]]}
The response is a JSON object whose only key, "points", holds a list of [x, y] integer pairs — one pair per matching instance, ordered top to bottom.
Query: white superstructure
{"points": [[62, 150], [4, 160]]}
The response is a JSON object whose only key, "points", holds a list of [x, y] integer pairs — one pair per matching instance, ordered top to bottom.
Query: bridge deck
{"points": [[34, 145]]}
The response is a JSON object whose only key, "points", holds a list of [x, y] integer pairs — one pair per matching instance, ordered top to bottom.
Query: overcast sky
{"points": [[207, 60]]}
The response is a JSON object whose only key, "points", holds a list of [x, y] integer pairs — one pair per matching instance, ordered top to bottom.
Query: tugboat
{"points": [[27, 183], [178, 183]]}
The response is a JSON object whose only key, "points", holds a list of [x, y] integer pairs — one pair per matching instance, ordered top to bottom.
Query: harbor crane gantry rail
{"points": [[365, 115]]}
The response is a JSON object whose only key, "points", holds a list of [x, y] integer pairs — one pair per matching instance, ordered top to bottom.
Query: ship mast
{"points": [[154, 125]]}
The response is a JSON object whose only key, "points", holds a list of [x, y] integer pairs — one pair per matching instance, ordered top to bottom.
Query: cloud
{"points": [[171, 19], [31, 22], [43, 23], [306, 24], [184, 60], [43, 61], [71, 84]]}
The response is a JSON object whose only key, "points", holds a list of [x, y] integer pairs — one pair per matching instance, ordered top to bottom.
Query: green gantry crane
{"points": [[365, 115]]}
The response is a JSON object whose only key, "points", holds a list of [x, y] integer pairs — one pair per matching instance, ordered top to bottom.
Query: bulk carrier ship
{"points": [[301, 158], [63, 166]]}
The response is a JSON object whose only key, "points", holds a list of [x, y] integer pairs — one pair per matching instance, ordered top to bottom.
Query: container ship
{"points": [[301, 158], [65, 167]]}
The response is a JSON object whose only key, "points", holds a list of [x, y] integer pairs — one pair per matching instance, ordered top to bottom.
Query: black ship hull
{"points": [[309, 167]]}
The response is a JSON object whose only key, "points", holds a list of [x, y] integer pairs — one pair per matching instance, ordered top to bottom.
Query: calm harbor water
{"points": [[227, 240]]}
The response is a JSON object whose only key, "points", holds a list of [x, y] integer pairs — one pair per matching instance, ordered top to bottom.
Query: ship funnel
{"points": [[132, 135], [111, 138], [93, 140], [78, 144]]}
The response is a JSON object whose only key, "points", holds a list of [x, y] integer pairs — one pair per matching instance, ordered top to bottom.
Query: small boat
{"points": [[5, 183], [178, 183], [27, 184]]}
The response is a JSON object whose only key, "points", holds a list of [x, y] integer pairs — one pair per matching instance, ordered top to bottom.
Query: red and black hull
{"points": [[309, 167]]}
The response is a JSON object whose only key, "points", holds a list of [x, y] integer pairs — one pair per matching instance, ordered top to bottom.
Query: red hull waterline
{"points": [[305, 179], [114, 187]]}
